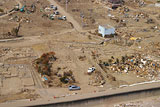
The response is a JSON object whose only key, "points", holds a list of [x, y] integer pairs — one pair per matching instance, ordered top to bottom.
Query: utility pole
{"points": [[66, 5], [82, 16]]}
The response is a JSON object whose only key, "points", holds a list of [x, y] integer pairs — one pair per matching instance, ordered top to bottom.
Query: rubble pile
{"points": [[135, 3], [140, 15], [18, 18], [121, 41], [154, 48], [4, 51], [82, 58], [44, 63], [137, 64], [52, 77], [67, 77], [96, 79], [59, 80], [130, 104]]}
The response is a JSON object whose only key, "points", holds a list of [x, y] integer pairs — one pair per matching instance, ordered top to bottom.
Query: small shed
{"points": [[106, 30]]}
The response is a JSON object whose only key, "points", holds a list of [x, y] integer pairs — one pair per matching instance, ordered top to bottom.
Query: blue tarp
{"points": [[45, 78]]}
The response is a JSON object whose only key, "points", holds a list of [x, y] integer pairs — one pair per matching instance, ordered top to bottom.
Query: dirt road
{"points": [[20, 5], [69, 17]]}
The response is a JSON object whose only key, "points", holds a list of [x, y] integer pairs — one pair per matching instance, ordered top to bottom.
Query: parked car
{"points": [[53, 7], [56, 12], [62, 18], [92, 69], [73, 87]]}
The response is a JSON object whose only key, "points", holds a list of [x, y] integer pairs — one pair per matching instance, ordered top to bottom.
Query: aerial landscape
{"points": [[73, 53]]}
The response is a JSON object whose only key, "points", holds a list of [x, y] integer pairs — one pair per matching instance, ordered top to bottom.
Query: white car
{"points": [[92, 69]]}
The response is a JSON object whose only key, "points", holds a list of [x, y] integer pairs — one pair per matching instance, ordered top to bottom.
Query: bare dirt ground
{"points": [[7, 5], [40, 26], [75, 51]]}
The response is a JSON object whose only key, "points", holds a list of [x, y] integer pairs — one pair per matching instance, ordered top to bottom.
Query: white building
{"points": [[106, 30]]}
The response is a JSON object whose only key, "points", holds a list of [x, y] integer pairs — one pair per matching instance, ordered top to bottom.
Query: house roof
{"points": [[107, 26]]}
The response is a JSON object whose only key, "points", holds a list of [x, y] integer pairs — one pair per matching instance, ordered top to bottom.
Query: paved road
{"points": [[69, 17], [150, 88]]}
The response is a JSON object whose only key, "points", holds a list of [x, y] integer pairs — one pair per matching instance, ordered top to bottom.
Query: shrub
{"points": [[1, 10], [43, 64]]}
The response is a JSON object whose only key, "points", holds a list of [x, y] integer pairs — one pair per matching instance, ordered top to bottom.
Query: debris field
{"points": [[42, 52]]}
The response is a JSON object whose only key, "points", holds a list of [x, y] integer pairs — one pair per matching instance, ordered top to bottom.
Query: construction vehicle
{"points": [[22, 9], [62, 18]]}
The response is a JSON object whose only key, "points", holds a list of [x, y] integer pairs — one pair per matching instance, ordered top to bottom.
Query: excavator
{"points": [[22, 9]]}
